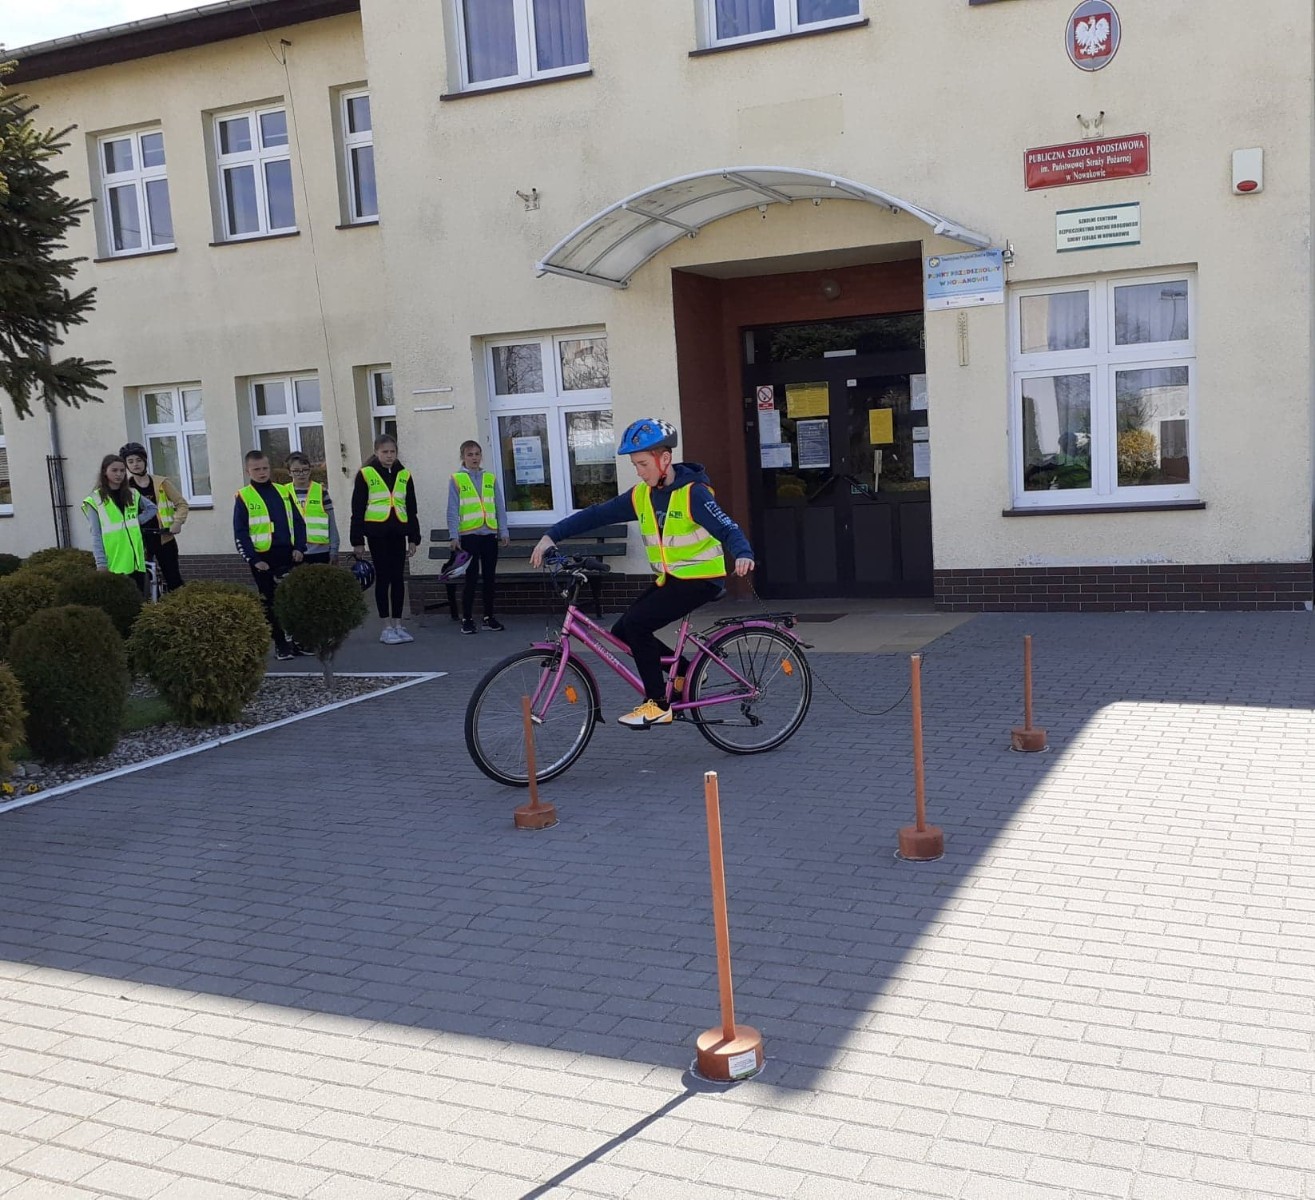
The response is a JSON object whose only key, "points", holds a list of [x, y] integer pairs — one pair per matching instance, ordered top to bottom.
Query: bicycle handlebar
{"points": [[576, 562]]}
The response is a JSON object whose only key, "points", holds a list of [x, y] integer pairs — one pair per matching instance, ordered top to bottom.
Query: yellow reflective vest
{"points": [[380, 501], [479, 510], [313, 512], [260, 525], [120, 533], [682, 547]]}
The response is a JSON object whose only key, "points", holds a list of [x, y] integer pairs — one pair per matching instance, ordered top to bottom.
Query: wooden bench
{"points": [[609, 541]]}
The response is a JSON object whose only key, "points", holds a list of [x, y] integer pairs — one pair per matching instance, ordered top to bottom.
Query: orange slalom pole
{"points": [[1029, 739], [533, 815], [919, 842], [728, 1052]]}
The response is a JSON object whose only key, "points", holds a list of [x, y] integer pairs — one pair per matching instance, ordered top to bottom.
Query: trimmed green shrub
{"points": [[61, 555], [9, 563], [213, 587], [22, 594], [115, 595], [319, 606], [204, 652], [74, 673], [12, 713]]}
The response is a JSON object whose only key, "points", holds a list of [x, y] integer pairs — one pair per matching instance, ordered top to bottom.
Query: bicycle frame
{"points": [[601, 642]]}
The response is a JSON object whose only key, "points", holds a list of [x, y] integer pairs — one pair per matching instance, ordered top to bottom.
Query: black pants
{"points": [[483, 551], [388, 553], [165, 555], [320, 557], [280, 563], [657, 607]]}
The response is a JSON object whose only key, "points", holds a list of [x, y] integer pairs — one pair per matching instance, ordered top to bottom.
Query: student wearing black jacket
{"points": [[384, 516], [270, 535]]}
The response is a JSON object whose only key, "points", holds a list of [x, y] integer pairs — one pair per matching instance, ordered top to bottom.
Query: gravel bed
{"points": [[279, 696]]}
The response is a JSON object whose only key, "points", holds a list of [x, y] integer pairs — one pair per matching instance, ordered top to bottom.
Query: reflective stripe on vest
{"points": [[381, 501], [164, 506], [479, 510], [312, 511], [260, 525], [120, 534], [682, 547]]}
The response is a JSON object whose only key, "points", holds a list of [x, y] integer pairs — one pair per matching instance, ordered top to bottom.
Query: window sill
{"points": [[780, 37], [514, 87], [359, 224], [260, 237], [136, 254], [199, 505], [1087, 509], [6, 512]]}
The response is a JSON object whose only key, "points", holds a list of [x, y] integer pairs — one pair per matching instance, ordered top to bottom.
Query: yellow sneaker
{"points": [[647, 715]]}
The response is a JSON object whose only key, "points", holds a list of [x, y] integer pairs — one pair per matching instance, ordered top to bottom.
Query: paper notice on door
{"points": [[918, 393], [766, 397], [807, 400], [881, 426], [769, 428], [921, 433], [814, 439], [527, 456], [777, 457], [921, 460]]}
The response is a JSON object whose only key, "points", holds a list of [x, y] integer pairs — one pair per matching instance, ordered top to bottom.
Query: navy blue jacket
{"points": [[702, 508], [291, 539]]}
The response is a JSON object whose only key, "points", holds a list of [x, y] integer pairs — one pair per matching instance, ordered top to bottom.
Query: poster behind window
{"points": [[527, 453]]}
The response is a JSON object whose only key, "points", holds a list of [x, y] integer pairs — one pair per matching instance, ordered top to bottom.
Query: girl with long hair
{"points": [[115, 513], [384, 517]]}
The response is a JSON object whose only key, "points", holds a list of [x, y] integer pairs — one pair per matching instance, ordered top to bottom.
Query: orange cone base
{"points": [[1029, 741], [530, 817], [921, 845], [727, 1061]]}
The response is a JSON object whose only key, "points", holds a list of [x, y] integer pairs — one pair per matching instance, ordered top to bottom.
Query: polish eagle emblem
{"points": [[1092, 36]]}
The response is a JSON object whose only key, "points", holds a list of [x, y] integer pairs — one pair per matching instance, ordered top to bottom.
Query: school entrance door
{"points": [[839, 447]]}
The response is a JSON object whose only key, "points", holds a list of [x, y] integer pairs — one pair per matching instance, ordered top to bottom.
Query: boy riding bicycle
{"points": [[684, 533]]}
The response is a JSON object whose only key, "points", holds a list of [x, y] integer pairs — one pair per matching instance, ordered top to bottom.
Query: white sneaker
{"points": [[402, 635], [389, 637]]}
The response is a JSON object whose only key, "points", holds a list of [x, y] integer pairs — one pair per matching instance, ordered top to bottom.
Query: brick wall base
{"points": [[1156, 588]]}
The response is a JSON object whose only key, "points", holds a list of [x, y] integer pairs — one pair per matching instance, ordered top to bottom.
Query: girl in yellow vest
{"points": [[171, 505], [115, 514], [384, 516], [477, 522], [686, 536]]}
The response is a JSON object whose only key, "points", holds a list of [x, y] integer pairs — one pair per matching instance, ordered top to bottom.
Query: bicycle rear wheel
{"points": [[760, 720], [495, 731]]}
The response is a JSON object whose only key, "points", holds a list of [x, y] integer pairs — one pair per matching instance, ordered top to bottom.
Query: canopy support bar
{"points": [[761, 188], [692, 230]]}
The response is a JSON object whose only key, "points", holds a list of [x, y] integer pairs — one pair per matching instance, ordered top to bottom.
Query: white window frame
{"points": [[787, 22], [527, 56], [356, 141], [258, 157], [137, 178], [1101, 361], [554, 402], [380, 413], [293, 421], [179, 429], [6, 509]]}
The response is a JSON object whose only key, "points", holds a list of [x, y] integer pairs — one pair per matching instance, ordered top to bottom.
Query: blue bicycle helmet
{"points": [[648, 433], [364, 573]]}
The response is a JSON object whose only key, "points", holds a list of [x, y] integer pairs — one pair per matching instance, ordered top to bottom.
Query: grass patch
{"points": [[143, 712]]}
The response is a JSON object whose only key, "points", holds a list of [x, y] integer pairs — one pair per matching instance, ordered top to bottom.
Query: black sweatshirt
{"points": [[392, 527]]}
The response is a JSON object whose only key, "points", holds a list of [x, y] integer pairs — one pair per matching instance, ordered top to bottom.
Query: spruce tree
{"points": [[35, 306]]}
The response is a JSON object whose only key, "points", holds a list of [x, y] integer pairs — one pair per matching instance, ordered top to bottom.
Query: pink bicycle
{"points": [[748, 688]]}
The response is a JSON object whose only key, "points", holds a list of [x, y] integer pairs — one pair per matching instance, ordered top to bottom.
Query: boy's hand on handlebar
{"points": [[541, 547], [743, 566]]}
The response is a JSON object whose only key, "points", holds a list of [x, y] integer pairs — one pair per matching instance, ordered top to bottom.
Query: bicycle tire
{"points": [[767, 658], [495, 730]]}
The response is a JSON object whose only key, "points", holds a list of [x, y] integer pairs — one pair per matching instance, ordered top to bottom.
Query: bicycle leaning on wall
{"points": [[747, 691]]}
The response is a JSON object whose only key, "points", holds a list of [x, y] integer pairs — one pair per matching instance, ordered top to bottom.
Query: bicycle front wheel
{"points": [[763, 714], [495, 730]]}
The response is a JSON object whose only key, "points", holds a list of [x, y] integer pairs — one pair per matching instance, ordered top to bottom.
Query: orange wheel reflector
{"points": [[787, 666], [572, 695]]}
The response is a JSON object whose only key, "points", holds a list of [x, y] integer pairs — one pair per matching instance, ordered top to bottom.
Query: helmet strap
{"points": [[669, 474]]}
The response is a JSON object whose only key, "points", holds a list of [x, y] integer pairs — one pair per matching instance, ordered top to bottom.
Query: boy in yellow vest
{"points": [[477, 523], [270, 535], [685, 536]]}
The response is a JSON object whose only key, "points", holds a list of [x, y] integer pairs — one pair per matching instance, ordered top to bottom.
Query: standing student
{"points": [[171, 506], [316, 507], [116, 513], [384, 517], [477, 520], [271, 537]]}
